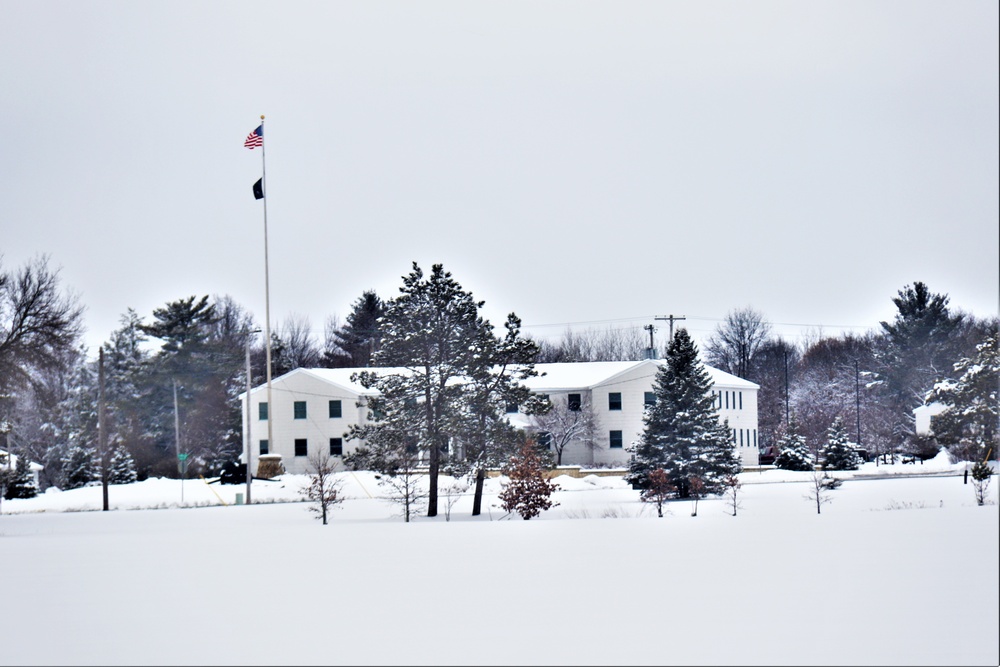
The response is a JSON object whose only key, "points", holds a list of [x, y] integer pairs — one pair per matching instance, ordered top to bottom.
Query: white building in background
{"points": [[314, 408], [923, 417], [9, 462]]}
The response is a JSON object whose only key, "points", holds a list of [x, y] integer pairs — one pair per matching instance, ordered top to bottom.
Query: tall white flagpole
{"points": [[267, 292]]}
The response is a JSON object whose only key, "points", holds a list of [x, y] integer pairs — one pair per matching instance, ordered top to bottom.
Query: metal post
{"points": [[267, 294], [102, 432], [177, 439], [249, 441]]}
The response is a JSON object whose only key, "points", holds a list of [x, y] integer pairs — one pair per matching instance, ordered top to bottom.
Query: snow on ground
{"points": [[895, 571]]}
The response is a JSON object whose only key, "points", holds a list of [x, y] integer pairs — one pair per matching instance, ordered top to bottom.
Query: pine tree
{"points": [[432, 329], [354, 344], [919, 344], [494, 381], [968, 426], [683, 435], [793, 450], [837, 453], [79, 467], [122, 467], [981, 481], [21, 482], [527, 491]]}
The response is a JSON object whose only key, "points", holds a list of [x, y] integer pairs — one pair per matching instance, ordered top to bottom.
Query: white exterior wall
{"points": [[632, 380], [633, 384], [742, 415], [317, 428]]}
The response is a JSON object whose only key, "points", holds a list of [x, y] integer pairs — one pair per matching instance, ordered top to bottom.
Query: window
{"points": [[649, 399], [741, 399], [615, 400], [727, 400], [574, 402], [511, 408], [300, 409], [262, 411], [336, 412], [741, 437], [755, 437], [545, 440], [616, 440], [263, 446], [301, 447], [336, 447]]}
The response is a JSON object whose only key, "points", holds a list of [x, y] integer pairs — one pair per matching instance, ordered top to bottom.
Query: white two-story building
{"points": [[314, 408]]}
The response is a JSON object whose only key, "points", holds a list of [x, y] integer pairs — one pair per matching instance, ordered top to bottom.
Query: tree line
{"points": [[171, 381]]}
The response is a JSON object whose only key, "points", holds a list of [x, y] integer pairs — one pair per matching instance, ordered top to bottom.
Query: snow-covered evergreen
{"points": [[968, 425], [683, 434], [793, 451], [837, 453], [78, 467], [122, 467], [20, 482]]}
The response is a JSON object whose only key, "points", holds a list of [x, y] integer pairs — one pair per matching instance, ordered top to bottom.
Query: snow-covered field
{"points": [[897, 570]]}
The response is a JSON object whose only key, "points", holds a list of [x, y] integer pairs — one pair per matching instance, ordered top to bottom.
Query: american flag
{"points": [[255, 138]]}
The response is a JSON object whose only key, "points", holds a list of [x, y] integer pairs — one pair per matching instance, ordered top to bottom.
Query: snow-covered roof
{"points": [[589, 374], [552, 377], [34, 467]]}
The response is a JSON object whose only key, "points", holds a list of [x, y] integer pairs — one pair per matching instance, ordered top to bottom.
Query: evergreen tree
{"points": [[432, 329], [353, 345], [919, 348], [202, 355], [126, 380], [494, 382], [968, 425], [683, 435], [793, 452], [837, 453], [79, 467], [122, 467], [20, 482], [527, 491]]}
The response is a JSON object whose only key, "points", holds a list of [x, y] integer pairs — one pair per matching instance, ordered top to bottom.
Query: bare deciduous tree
{"points": [[39, 324], [737, 340], [611, 344], [299, 346], [567, 422], [733, 486], [820, 486], [696, 487], [324, 489], [660, 490], [452, 492]]}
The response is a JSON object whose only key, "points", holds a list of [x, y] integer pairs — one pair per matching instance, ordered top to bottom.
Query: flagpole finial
{"points": [[262, 116]]}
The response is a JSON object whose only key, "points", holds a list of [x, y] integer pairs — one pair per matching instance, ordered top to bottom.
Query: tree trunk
{"points": [[435, 456], [477, 498]]}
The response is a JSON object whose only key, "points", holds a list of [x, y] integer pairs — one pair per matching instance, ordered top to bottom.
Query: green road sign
{"points": [[181, 457]]}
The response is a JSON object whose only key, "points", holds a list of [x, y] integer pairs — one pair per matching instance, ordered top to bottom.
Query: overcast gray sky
{"points": [[579, 163]]}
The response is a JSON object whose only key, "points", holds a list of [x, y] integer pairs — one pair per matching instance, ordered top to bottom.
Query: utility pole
{"points": [[671, 319], [785, 350], [651, 351], [857, 398], [102, 432], [181, 463]]}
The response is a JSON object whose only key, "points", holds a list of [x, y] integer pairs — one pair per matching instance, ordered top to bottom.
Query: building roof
{"points": [[589, 374], [552, 377], [34, 467]]}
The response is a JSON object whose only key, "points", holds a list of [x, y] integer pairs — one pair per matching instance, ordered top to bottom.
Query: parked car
{"points": [[768, 454]]}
